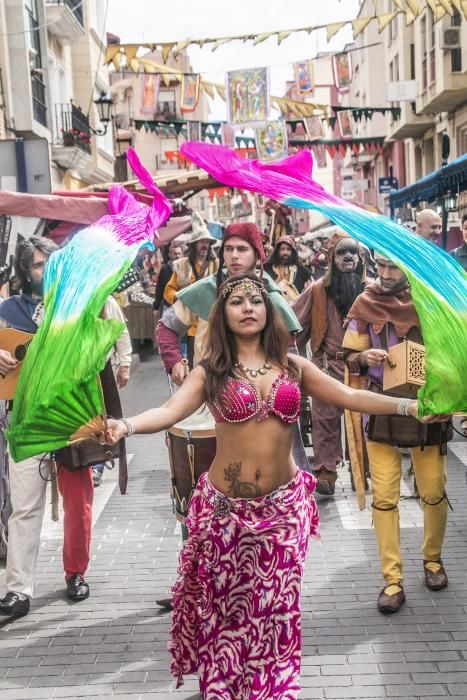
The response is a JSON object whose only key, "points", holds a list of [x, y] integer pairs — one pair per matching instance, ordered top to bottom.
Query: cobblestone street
{"points": [[114, 643]]}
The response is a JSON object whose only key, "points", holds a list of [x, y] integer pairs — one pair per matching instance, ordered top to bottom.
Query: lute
{"points": [[16, 343]]}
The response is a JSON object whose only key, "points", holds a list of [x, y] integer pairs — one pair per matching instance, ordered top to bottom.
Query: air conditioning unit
{"points": [[451, 38]]}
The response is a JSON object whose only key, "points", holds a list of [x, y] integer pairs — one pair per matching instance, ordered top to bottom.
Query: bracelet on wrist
{"points": [[403, 406], [130, 428]]}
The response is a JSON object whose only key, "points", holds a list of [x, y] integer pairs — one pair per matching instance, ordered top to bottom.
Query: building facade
{"points": [[51, 72]]}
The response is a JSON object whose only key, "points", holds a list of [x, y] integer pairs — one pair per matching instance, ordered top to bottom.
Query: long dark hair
{"points": [[192, 257], [221, 354]]}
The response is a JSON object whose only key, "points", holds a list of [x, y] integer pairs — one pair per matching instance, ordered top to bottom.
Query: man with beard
{"points": [[286, 270], [321, 310], [382, 316]]}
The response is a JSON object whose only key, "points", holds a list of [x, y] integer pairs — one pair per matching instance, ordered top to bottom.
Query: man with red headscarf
{"points": [[241, 251], [321, 310]]}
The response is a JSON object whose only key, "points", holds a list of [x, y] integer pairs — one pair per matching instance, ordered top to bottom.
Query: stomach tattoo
{"points": [[239, 488]]}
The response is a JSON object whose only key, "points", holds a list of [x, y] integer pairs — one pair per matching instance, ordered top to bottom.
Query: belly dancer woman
{"points": [[236, 619]]}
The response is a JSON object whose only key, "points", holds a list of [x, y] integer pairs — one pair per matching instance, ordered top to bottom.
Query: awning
{"points": [[173, 184], [428, 189], [75, 209]]}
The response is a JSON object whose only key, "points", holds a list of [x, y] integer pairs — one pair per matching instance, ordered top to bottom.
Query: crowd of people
{"points": [[252, 336]]}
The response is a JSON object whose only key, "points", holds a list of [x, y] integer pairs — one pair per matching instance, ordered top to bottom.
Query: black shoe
{"points": [[77, 588], [165, 603], [14, 605]]}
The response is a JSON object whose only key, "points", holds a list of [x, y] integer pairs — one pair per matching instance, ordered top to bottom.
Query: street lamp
{"points": [[104, 109]]}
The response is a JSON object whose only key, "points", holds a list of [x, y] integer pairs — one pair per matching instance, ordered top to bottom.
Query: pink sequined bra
{"points": [[239, 401]]}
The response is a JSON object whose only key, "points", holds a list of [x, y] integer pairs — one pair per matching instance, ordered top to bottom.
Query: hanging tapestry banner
{"points": [[342, 69], [304, 77], [190, 91], [149, 93], [248, 95], [344, 118], [314, 128], [271, 141]]}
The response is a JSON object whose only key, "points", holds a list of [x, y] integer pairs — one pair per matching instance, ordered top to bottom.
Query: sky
{"points": [[156, 21]]}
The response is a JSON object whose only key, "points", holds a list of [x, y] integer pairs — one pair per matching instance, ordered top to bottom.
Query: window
{"points": [[432, 51], [456, 54], [424, 56], [412, 61], [39, 107]]}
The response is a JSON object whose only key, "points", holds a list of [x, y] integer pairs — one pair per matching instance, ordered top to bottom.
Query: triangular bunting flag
{"points": [[399, 4], [432, 5], [458, 5], [447, 6], [414, 7], [464, 7], [440, 12], [385, 19], [358, 25], [332, 29], [282, 35], [262, 37], [218, 43], [180, 45], [165, 50], [111, 51], [130, 52], [117, 61], [134, 65], [166, 79], [208, 89], [220, 89], [395, 113], [332, 122], [370, 147], [355, 148], [331, 149], [343, 149]]}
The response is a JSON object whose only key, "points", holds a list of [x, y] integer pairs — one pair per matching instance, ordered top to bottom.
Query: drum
{"points": [[192, 448]]}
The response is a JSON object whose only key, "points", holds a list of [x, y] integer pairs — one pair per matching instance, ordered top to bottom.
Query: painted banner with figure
{"points": [[342, 69], [304, 77], [190, 91], [149, 93], [248, 95], [271, 140]]}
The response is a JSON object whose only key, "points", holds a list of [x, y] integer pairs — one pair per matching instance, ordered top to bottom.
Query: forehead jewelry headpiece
{"points": [[246, 286]]}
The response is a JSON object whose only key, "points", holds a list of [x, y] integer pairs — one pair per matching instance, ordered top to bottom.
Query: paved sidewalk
{"points": [[115, 642]]}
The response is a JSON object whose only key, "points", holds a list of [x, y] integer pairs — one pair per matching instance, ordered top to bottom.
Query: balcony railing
{"points": [[76, 6], [39, 107], [71, 127]]}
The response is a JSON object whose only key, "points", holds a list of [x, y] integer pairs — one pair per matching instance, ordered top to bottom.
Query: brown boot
{"points": [[326, 485], [435, 575], [391, 599]]}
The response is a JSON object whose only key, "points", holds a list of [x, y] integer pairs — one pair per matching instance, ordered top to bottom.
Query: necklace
{"points": [[254, 372]]}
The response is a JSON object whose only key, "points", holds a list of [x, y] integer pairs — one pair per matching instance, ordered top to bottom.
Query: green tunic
{"points": [[201, 296]]}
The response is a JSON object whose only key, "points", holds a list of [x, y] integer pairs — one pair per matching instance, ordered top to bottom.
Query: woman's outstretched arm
{"points": [[330, 390], [182, 404]]}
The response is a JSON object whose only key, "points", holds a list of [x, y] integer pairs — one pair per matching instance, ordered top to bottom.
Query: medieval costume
{"points": [[291, 276], [381, 318], [322, 320]]}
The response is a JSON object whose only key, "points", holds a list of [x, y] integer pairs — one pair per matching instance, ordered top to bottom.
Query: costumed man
{"points": [[240, 252], [170, 253], [200, 262], [286, 269], [321, 310], [382, 316], [28, 478]]}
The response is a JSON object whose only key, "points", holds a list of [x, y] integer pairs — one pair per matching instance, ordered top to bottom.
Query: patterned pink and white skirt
{"points": [[236, 619]]}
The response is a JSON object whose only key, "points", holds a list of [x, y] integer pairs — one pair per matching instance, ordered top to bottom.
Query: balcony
{"points": [[65, 19], [448, 89], [410, 125], [71, 137]]}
